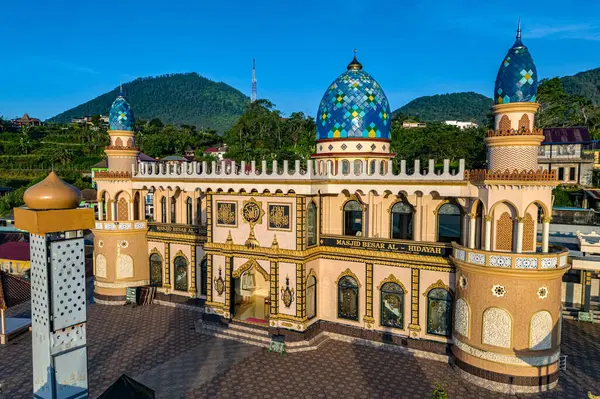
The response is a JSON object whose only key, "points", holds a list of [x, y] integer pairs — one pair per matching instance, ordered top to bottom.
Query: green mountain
{"points": [[585, 84], [176, 99], [468, 106]]}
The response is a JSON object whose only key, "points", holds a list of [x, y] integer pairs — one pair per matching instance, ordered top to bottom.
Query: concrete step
{"points": [[571, 313], [255, 336]]}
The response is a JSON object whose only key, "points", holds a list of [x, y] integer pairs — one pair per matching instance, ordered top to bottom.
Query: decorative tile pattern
{"points": [[517, 77], [354, 105], [121, 115], [344, 146], [460, 254], [476, 258], [500, 261], [527, 263], [549, 263], [498, 290], [461, 317], [497, 327], [540, 331]]}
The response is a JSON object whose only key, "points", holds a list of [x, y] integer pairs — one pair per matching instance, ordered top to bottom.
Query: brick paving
{"points": [[158, 346]]}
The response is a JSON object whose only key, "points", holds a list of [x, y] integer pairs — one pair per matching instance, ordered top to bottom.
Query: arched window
{"points": [[345, 167], [357, 167], [373, 167], [383, 168], [136, 206], [188, 206], [163, 209], [173, 210], [198, 211], [353, 218], [311, 225], [449, 225], [402, 227], [504, 232], [180, 268], [156, 270], [203, 276], [311, 297], [348, 298], [392, 305], [439, 312], [497, 328]]}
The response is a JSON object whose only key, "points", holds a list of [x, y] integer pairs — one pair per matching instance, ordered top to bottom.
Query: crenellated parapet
{"points": [[314, 170], [112, 175]]}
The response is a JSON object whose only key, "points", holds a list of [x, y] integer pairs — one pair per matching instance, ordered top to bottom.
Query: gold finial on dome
{"points": [[354, 65], [52, 193]]}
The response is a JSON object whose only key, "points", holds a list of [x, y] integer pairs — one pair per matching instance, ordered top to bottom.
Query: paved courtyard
{"points": [[158, 346]]}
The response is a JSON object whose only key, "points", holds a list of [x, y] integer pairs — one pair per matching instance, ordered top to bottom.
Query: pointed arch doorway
{"points": [[250, 292]]}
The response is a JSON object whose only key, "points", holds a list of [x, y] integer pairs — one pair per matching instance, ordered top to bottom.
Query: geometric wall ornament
{"points": [[504, 232], [528, 233], [123, 244], [473, 257], [500, 261], [527, 263], [549, 263], [101, 266], [124, 266], [462, 282], [220, 283], [498, 291], [542, 293], [287, 294], [461, 317], [497, 327], [540, 331]]}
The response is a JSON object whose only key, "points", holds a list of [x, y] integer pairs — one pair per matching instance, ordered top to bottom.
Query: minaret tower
{"points": [[253, 98], [121, 152], [120, 245], [506, 334]]}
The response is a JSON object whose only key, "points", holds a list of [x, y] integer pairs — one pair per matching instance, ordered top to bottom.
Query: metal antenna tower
{"points": [[253, 97]]}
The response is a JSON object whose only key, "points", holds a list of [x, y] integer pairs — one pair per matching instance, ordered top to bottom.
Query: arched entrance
{"points": [[250, 293]]}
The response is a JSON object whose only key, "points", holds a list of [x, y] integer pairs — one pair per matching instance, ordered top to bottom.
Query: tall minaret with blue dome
{"points": [[354, 118], [514, 142], [121, 153]]}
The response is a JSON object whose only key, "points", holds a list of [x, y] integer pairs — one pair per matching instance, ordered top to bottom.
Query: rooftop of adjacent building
{"points": [[567, 135], [15, 250]]}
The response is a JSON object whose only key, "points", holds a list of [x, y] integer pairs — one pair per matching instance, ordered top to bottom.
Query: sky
{"points": [[59, 54]]}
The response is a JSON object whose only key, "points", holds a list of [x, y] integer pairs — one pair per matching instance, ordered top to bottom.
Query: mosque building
{"points": [[438, 260]]}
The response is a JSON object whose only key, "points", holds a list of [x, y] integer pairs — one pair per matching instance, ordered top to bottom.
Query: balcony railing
{"points": [[121, 225], [556, 258]]}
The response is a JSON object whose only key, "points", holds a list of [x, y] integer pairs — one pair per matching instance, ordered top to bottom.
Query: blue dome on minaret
{"points": [[517, 78], [354, 106], [121, 114]]}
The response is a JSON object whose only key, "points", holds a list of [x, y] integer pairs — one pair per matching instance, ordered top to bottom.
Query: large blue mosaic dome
{"points": [[517, 77], [354, 106], [121, 114]]}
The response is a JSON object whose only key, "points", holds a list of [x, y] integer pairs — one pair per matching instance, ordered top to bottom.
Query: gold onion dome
{"points": [[52, 193]]}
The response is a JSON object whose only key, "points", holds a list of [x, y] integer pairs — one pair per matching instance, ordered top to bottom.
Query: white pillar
{"points": [[114, 209], [100, 210], [131, 211], [418, 219], [472, 220], [370, 223], [488, 233], [545, 233], [519, 235], [464, 237], [3, 322]]}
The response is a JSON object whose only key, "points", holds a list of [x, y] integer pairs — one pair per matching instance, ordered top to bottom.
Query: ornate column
{"points": [[100, 210], [209, 217], [370, 222], [300, 223], [472, 228], [488, 233], [545, 233], [519, 235], [464, 236], [228, 266], [209, 278], [167, 280], [193, 289], [274, 289], [300, 290], [58, 307], [368, 319], [414, 326]]}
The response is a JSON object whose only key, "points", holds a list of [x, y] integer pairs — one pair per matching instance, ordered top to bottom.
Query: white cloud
{"points": [[572, 31]]}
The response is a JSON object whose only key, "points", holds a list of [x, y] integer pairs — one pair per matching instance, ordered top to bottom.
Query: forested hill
{"points": [[585, 84], [176, 99], [468, 106]]}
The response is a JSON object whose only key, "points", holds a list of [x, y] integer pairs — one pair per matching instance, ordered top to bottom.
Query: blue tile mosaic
{"points": [[517, 77], [354, 106], [121, 115]]}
